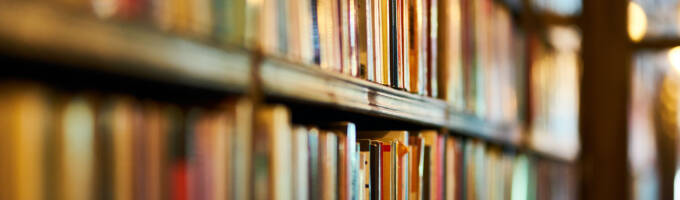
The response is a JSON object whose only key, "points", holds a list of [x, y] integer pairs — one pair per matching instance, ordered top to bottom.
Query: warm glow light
{"points": [[637, 22], [674, 58]]}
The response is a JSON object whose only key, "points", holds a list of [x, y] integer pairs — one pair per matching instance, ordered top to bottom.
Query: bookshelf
{"points": [[38, 31]]}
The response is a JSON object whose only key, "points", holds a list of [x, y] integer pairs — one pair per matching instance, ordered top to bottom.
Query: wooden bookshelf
{"points": [[38, 31]]}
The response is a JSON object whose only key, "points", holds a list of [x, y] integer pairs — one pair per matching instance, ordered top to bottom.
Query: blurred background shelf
{"points": [[38, 31], [657, 43]]}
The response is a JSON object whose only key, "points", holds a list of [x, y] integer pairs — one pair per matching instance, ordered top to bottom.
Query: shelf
{"points": [[38, 31], [657, 43], [309, 83]]}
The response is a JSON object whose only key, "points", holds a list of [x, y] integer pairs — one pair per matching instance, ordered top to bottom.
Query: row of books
{"points": [[391, 42], [467, 52], [482, 59], [86, 145]]}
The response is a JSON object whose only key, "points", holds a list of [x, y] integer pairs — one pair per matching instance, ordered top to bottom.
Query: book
{"points": [[393, 46], [451, 78], [25, 112], [243, 114], [118, 125], [346, 139], [75, 140], [272, 153], [416, 159], [300, 162], [328, 163], [314, 164], [365, 168], [376, 168], [431, 180], [451, 183]]}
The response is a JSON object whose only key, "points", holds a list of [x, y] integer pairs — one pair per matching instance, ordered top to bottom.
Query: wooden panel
{"points": [[604, 100]]}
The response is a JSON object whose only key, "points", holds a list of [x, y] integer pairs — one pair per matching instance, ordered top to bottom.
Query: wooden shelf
{"points": [[37, 31], [657, 43], [309, 83]]}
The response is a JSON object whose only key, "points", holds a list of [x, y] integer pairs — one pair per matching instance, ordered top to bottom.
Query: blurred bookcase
{"points": [[36, 30]]}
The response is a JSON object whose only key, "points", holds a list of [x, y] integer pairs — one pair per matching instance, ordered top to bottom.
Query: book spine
{"points": [[316, 41], [393, 47], [376, 169]]}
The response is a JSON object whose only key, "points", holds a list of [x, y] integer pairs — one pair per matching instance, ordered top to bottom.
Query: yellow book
{"points": [[384, 5], [242, 112], [24, 116]]}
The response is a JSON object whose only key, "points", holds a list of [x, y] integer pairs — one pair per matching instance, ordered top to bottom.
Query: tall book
{"points": [[413, 25], [433, 27], [345, 36], [385, 38], [300, 42], [379, 42], [393, 43], [405, 44], [364, 51], [451, 78], [24, 115], [117, 127], [346, 134], [75, 139], [242, 143], [272, 153], [156, 156], [416, 159], [300, 162], [328, 163], [314, 164], [451, 164], [365, 168], [376, 168], [432, 172]]}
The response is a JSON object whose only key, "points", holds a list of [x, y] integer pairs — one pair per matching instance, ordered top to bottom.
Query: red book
{"points": [[179, 181]]}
